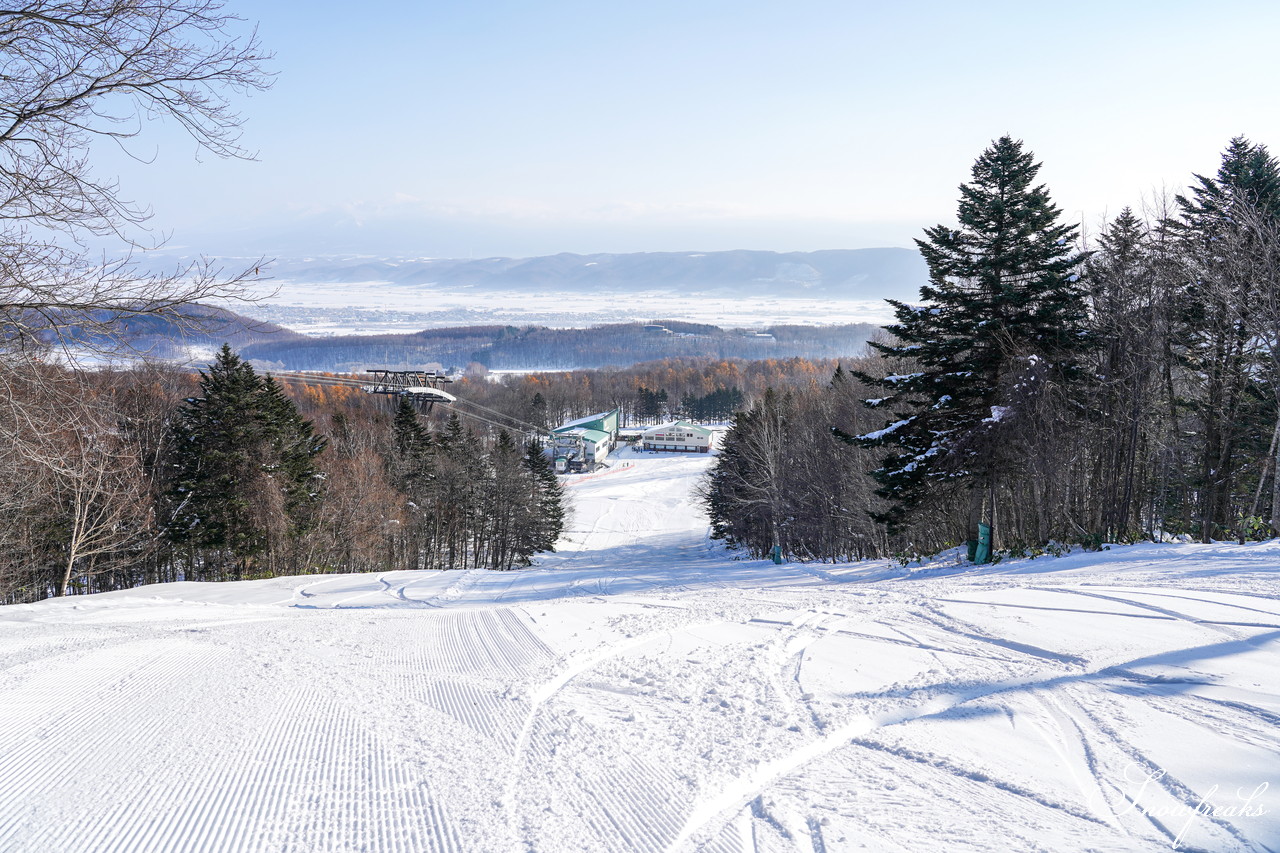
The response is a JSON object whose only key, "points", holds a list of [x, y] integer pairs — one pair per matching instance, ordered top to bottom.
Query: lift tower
{"points": [[422, 386]]}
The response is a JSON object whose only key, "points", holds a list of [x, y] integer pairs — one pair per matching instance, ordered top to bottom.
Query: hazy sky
{"points": [[516, 128]]}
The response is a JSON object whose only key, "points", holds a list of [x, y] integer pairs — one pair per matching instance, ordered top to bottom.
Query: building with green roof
{"points": [[584, 444]]}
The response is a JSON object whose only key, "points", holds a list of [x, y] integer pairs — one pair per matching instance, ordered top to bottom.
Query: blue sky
{"points": [[516, 128]]}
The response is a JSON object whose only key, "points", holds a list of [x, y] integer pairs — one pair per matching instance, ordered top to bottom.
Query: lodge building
{"points": [[678, 436], [584, 444]]}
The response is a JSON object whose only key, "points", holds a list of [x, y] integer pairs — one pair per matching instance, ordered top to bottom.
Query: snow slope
{"points": [[642, 690]]}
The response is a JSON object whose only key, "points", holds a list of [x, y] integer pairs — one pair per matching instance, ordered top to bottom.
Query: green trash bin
{"points": [[982, 553]]}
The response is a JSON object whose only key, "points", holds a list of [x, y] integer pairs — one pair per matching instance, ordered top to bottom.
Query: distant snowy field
{"points": [[368, 308], [643, 691]]}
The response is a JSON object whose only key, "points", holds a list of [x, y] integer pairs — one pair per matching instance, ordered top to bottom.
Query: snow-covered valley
{"points": [[378, 307], [642, 690]]}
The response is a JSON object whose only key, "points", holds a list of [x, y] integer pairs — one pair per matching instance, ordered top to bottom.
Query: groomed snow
{"points": [[644, 691]]}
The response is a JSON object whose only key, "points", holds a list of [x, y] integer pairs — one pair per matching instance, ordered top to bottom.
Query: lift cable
{"points": [[312, 379], [482, 419], [524, 424]]}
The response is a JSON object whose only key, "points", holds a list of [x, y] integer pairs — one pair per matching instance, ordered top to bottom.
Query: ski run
{"points": [[642, 690]]}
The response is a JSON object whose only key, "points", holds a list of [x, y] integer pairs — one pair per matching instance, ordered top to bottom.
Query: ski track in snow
{"points": [[642, 690]]}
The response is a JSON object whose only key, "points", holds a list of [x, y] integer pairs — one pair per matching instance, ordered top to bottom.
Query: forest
{"points": [[541, 348], [1048, 388], [707, 390], [1056, 390], [1061, 392], [151, 473], [146, 475]]}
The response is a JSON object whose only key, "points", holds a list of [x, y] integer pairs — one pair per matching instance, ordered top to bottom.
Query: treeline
{"points": [[453, 347], [540, 348], [1051, 390], [646, 393], [147, 475], [122, 478], [783, 479], [489, 510]]}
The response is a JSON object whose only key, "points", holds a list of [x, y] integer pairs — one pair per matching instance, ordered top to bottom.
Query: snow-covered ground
{"points": [[376, 307], [643, 691]]}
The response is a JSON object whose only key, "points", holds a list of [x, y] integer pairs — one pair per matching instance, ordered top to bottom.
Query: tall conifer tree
{"points": [[1003, 295], [1216, 337], [291, 447], [414, 449], [242, 471], [547, 502]]}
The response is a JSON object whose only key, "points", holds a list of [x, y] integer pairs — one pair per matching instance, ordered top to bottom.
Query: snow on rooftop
{"points": [[588, 419], [679, 424], [595, 436]]}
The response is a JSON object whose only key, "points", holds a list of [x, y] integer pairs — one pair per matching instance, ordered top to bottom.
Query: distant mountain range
{"points": [[839, 273]]}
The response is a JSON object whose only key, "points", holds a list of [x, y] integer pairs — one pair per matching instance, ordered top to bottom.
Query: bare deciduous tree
{"points": [[75, 71], [78, 493], [101, 496]]}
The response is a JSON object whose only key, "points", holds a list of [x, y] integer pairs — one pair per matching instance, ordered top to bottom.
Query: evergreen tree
{"points": [[1248, 172], [1003, 299], [1215, 334], [649, 405], [717, 405], [407, 430], [212, 436], [455, 437], [291, 449], [414, 449], [413, 469], [243, 478], [781, 479], [747, 493], [456, 494], [547, 502], [508, 505]]}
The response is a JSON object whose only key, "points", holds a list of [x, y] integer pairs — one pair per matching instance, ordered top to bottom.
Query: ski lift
{"points": [[422, 386], [429, 394]]}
